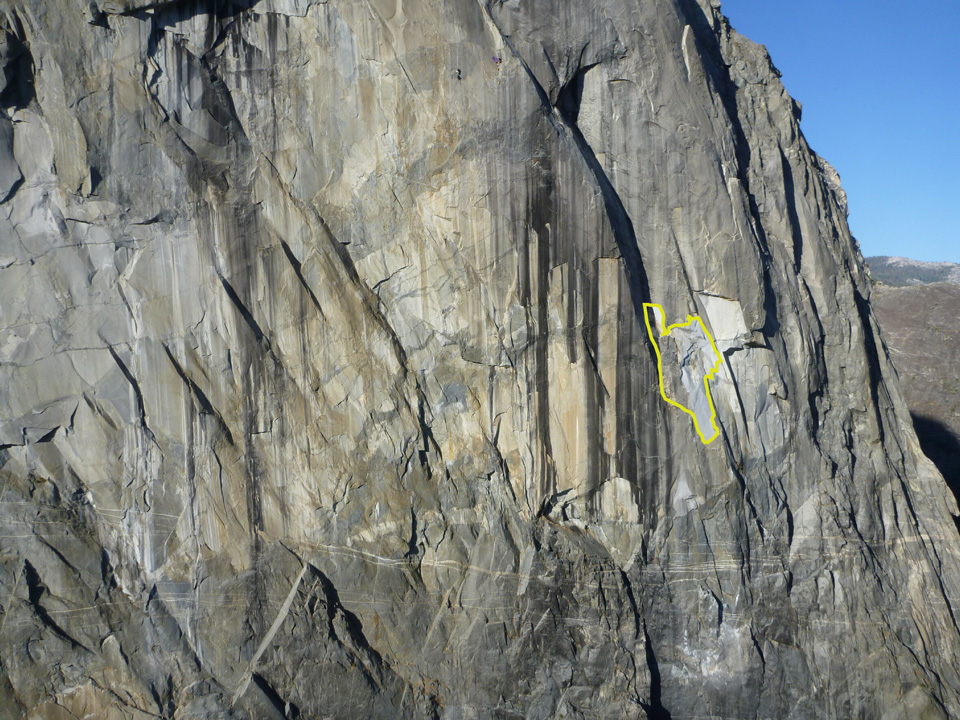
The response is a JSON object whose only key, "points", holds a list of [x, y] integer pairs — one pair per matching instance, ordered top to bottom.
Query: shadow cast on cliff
{"points": [[186, 9], [942, 446]]}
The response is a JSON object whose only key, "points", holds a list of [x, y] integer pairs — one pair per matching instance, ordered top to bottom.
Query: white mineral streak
{"points": [[268, 636]]}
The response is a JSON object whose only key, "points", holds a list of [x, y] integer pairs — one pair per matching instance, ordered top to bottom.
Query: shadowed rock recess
{"points": [[921, 326], [325, 390]]}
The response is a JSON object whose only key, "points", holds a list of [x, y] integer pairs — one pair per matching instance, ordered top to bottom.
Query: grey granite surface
{"points": [[325, 390]]}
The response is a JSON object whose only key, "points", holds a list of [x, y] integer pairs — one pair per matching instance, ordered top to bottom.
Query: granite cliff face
{"points": [[326, 389]]}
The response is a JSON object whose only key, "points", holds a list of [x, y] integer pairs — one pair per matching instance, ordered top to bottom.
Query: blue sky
{"points": [[879, 82]]}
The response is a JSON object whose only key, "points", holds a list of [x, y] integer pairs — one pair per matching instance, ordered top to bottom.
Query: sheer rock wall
{"points": [[326, 390]]}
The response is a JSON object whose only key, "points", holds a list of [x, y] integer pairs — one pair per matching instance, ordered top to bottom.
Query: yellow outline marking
{"points": [[706, 378]]}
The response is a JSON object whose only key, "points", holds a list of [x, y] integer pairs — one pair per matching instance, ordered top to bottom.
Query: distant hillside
{"points": [[900, 272], [921, 327]]}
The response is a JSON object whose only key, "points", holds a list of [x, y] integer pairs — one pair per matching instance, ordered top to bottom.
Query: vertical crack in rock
{"points": [[563, 116], [654, 709]]}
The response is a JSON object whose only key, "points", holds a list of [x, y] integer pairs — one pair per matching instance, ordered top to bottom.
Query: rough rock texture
{"points": [[921, 326], [692, 360], [326, 392]]}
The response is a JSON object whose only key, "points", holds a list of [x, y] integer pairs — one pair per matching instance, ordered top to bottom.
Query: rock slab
{"points": [[326, 390]]}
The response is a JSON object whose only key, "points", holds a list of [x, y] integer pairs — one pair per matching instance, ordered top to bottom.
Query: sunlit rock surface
{"points": [[688, 359], [326, 392]]}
